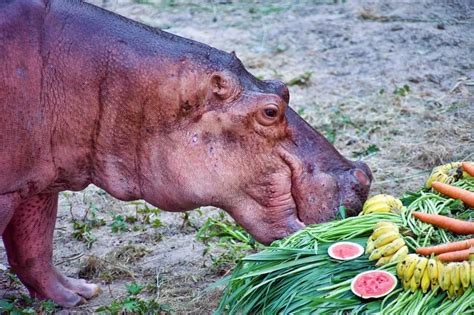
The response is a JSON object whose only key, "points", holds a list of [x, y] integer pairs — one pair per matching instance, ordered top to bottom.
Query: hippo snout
{"points": [[355, 185]]}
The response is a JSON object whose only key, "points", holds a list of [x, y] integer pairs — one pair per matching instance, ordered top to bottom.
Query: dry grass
{"points": [[115, 265]]}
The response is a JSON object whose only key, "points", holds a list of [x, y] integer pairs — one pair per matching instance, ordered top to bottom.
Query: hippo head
{"points": [[207, 132], [229, 140]]}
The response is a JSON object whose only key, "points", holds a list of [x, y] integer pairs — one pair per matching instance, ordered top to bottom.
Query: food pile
{"points": [[386, 244], [417, 258]]}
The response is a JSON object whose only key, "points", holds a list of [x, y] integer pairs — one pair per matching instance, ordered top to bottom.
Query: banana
{"points": [[447, 173], [436, 176], [380, 198], [395, 202], [381, 203], [388, 206], [378, 208], [398, 210], [384, 223], [383, 230], [386, 238], [393, 247], [369, 248], [377, 253], [400, 254], [383, 261], [404, 264], [400, 267], [410, 267], [420, 269], [433, 272], [441, 274], [465, 274], [472, 274], [455, 276], [445, 280], [425, 281], [406, 284], [414, 284], [434, 286], [460, 291], [451, 292]]}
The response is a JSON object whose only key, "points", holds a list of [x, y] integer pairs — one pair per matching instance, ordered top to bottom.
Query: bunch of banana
{"points": [[447, 173], [382, 203], [386, 244], [419, 272]]}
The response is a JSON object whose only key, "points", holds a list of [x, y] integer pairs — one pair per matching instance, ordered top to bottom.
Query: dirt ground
{"points": [[389, 83]]}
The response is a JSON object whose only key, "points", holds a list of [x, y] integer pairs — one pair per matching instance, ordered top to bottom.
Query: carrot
{"points": [[468, 168], [466, 196], [454, 225], [444, 248], [459, 255]]}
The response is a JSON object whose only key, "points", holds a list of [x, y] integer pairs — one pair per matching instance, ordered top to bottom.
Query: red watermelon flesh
{"points": [[345, 250], [373, 284]]}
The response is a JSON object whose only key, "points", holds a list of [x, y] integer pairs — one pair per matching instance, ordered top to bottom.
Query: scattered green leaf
{"points": [[301, 80], [401, 91], [370, 150]]}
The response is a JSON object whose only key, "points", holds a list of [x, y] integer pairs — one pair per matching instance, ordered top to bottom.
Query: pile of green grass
{"points": [[295, 275]]}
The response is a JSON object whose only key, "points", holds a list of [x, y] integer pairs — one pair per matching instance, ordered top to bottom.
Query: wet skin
{"points": [[88, 96]]}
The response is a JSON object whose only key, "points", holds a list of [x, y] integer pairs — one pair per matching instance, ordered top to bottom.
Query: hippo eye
{"points": [[271, 111], [269, 114]]}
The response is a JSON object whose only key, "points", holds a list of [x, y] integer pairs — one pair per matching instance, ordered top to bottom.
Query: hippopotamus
{"points": [[90, 97]]}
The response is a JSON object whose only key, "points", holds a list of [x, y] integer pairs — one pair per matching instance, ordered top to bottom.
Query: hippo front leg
{"points": [[8, 203], [28, 240]]}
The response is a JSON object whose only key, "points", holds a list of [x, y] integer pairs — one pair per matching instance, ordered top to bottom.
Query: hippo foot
{"points": [[29, 249], [51, 284], [81, 287]]}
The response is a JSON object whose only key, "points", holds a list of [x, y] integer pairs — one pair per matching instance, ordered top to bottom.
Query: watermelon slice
{"points": [[345, 250], [373, 284]]}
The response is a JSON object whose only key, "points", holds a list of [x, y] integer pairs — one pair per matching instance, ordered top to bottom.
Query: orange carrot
{"points": [[468, 168], [464, 195], [454, 225], [444, 248], [459, 255]]}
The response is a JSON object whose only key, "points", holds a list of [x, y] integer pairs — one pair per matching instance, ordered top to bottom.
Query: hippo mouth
{"points": [[315, 195], [318, 195], [330, 195], [292, 197], [297, 213]]}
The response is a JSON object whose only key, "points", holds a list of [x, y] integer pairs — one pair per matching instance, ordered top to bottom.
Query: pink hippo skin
{"points": [[87, 96]]}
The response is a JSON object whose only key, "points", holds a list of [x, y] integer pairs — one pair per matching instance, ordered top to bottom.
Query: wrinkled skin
{"points": [[90, 97]]}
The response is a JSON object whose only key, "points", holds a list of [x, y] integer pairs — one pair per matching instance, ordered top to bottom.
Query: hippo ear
{"points": [[223, 85]]}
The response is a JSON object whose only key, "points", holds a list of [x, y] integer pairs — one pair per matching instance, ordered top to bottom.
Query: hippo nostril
{"points": [[364, 168], [361, 177]]}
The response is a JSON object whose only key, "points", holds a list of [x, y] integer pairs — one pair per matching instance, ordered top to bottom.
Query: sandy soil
{"points": [[348, 63]]}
